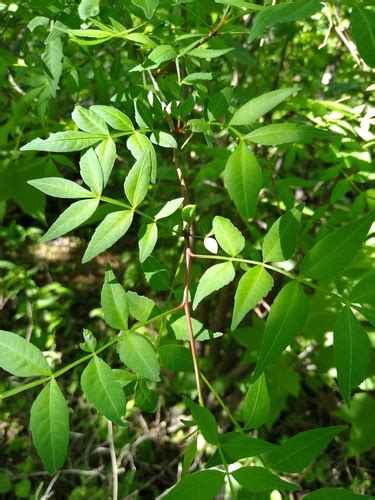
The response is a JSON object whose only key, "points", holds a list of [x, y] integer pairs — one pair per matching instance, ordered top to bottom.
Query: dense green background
{"points": [[48, 295]]}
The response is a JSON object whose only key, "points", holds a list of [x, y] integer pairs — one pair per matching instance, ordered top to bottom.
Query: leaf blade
{"points": [[20, 357], [49, 424]]}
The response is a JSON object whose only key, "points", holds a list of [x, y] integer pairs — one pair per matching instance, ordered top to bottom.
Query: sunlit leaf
{"points": [[253, 286], [288, 316], [20, 357], [103, 391], [49, 424]]}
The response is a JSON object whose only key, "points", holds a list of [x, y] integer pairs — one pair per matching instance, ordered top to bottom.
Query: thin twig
{"points": [[113, 461]]}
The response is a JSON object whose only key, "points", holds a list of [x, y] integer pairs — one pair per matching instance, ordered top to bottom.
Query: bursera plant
{"points": [[207, 161]]}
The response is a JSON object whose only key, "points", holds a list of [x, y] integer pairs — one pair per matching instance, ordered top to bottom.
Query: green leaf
{"points": [[148, 6], [88, 8], [282, 13], [363, 32], [162, 53], [209, 54], [53, 59], [196, 77], [218, 105], [259, 106], [114, 117], [88, 121], [283, 133], [163, 139], [61, 142], [139, 144], [106, 152], [91, 171], [138, 179], [243, 180], [60, 188], [169, 208], [72, 217], [110, 230], [228, 236], [147, 240], [280, 242], [333, 253], [156, 274], [213, 279], [253, 286], [364, 291], [114, 302], [140, 307], [288, 316], [180, 331], [352, 351], [137, 353], [20, 357], [176, 358], [103, 391], [145, 398], [257, 404], [361, 417], [205, 421], [49, 424], [236, 446], [299, 451], [190, 453], [260, 479], [204, 484], [335, 494]]}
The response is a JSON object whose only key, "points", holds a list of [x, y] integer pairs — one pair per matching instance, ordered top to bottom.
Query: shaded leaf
{"points": [[282, 13], [363, 32], [283, 133], [280, 242], [333, 253], [364, 291], [288, 316], [352, 351], [176, 358], [257, 404], [204, 420], [236, 446], [299, 451], [261, 479], [205, 485], [335, 494]]}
